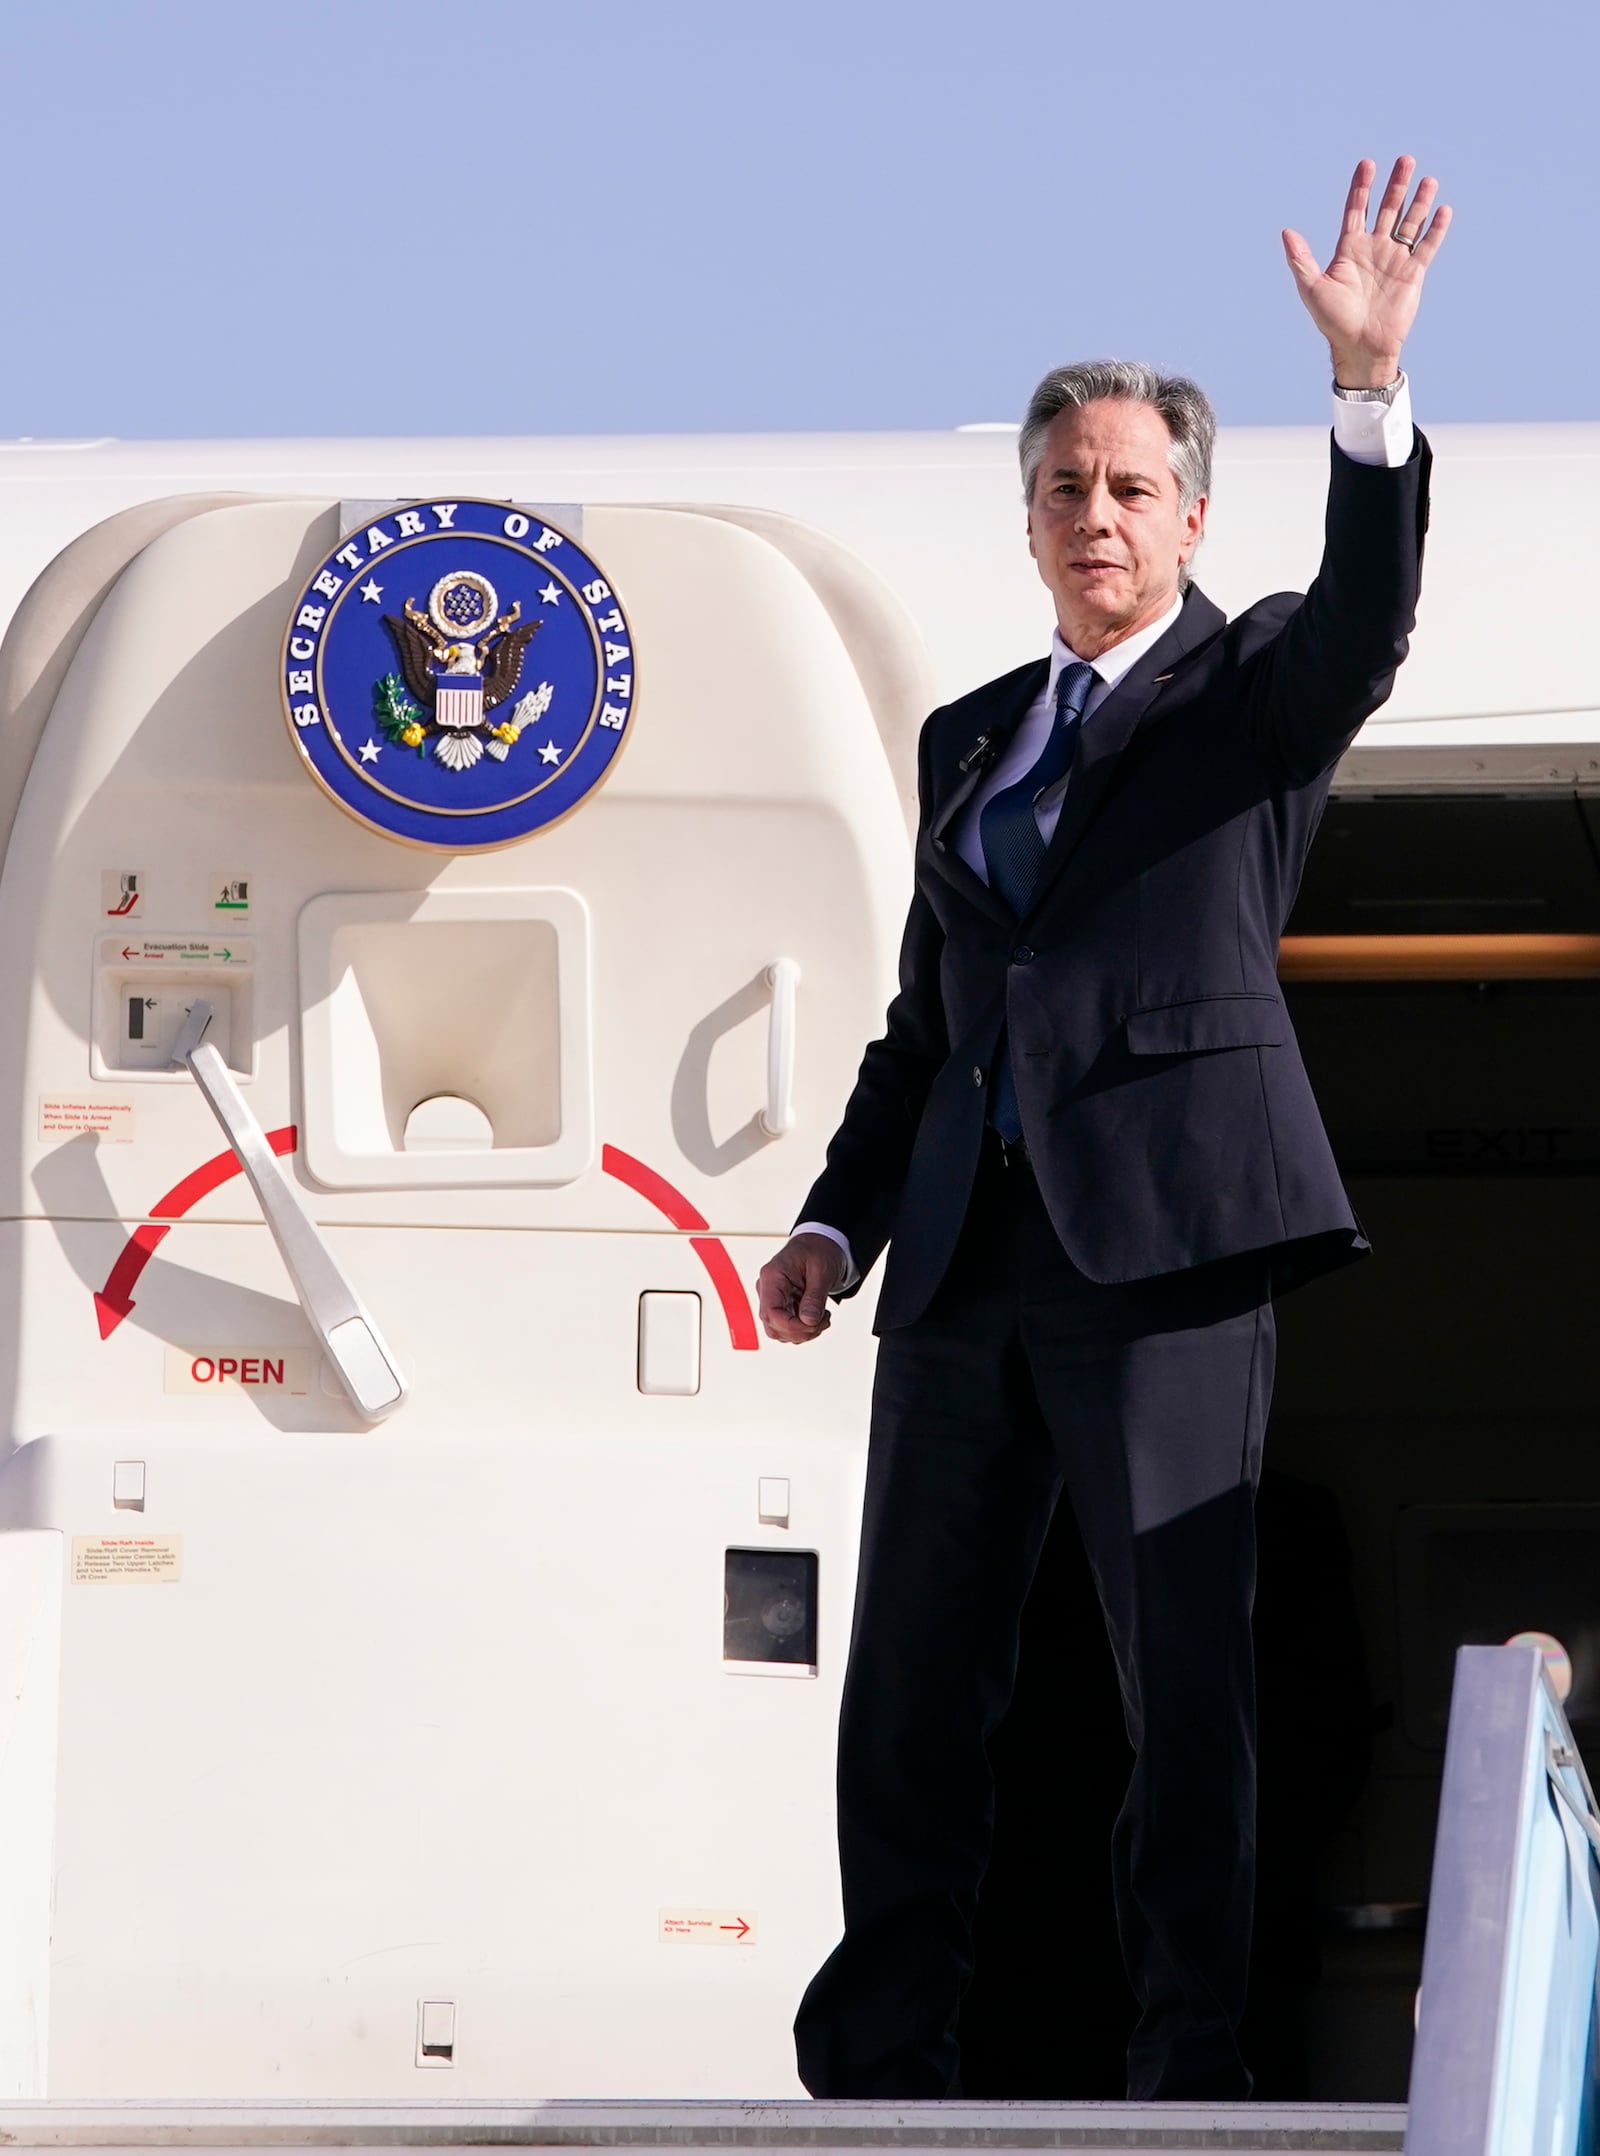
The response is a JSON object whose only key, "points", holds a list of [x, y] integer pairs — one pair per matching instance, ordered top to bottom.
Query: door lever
{"points": [[360, 1357]]}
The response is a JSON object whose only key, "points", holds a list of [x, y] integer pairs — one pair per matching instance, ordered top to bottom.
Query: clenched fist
{"points": [[794, 1286]]}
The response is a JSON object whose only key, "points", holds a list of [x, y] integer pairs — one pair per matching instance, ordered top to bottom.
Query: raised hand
{"points": [[1365, 301]]}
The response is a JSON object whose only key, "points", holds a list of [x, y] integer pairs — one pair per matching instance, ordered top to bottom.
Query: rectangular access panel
{"points": [[769, 1624]]}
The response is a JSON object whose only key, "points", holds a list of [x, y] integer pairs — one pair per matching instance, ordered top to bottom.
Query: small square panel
{"points": [[669, 1342], [769, 1621], [436, 2032]]}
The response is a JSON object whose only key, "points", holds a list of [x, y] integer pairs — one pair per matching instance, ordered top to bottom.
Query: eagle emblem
{"points": [[460, 658], [406, 683]]}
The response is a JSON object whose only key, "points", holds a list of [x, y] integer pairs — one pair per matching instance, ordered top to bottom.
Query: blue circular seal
{"points": [[458, 674]]}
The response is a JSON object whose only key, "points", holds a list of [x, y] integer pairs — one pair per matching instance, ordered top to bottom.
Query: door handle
{"points": [[783, 978], [353, 1344]]}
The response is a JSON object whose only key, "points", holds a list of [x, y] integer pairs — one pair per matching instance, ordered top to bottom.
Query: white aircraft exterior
{"points": [[352, 1740]]}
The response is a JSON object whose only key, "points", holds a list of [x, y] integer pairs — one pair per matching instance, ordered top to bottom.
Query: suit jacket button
{"points": [[1022, 954], [977, 1076]]}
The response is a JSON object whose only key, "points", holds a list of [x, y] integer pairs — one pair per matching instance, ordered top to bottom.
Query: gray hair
{"points": [[1183, 405]]}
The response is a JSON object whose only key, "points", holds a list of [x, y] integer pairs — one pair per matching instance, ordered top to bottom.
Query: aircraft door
{"points": [[470, 1706]]}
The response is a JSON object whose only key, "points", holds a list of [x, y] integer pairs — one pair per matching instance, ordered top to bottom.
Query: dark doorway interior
{"points": [[1433, 1477]]}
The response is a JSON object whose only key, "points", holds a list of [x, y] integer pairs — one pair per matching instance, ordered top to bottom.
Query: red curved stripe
{"points": [[217, 1170], [655, 1188], [712, 1254], [113, 1302]]}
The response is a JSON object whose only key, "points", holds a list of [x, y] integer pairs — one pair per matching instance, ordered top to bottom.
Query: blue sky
{"points": [[523, 216]]}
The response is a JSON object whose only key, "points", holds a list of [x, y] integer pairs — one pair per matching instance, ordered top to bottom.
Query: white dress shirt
{"points": [[1368, 432], [1026, 745]]}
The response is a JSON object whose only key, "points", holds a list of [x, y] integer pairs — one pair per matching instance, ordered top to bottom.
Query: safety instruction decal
{"points": [[121, 894], [230, 894], [183, 950], [106, 1116], [127, 1560], [708, 1927]]}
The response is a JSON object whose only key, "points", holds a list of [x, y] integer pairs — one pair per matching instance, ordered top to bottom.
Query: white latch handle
{"points": [[783, 978], [338, 1317]]}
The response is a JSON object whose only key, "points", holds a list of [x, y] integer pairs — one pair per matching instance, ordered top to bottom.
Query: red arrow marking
{"points": [[217, 1170], [711, 1252], [713, 1255], [113, 1302], [742, 1928]]}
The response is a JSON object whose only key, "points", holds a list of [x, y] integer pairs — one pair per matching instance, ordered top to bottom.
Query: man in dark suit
{"points": [[1088, 1140]]}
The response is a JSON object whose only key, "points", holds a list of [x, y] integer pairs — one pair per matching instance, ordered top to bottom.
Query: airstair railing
{"points": [[1507, 2055]]}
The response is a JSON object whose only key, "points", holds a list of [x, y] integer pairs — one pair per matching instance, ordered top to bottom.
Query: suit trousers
{"points": [[1145, 1404]]}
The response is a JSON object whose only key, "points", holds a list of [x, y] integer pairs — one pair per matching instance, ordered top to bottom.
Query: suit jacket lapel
{"points": [[1002, 721], [1114, 723]]}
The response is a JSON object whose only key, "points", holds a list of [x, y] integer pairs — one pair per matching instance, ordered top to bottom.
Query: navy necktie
{"points": [[1014, 850]]}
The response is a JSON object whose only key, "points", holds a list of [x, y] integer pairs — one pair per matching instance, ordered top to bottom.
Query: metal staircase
{"points": [[1505, 2060]]}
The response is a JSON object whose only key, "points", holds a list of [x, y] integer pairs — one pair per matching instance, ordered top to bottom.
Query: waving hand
{"points": [[1364, 302]]}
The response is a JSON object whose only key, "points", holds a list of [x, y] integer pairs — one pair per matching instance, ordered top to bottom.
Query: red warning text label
{"points": [[107, 1117], [246, 1369], [126, 1560], [707, 1927]]}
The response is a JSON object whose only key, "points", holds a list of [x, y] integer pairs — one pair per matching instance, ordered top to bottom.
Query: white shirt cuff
{"points": [[1372, 433], [817, 1227]]}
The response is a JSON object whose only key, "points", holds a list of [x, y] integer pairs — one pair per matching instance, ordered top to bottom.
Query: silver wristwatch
{"points": [[1386, 395]]}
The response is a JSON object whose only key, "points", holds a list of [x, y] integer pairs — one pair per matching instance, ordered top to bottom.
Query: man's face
{"points": [[1104, 523]]}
